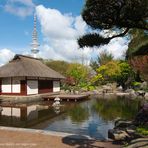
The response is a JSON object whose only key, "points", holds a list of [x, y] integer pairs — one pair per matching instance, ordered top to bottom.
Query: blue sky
{"points": [[59, 25], [16, 31]]}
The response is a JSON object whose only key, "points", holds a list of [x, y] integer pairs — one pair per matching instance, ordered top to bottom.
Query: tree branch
{"points": [[120, 35]]}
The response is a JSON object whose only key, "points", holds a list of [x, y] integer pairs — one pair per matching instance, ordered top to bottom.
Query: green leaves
{"points": [[104, 14], [111, 14], [92, 40], [139, 43], [114, 71], [78, 72], [108, 72]]}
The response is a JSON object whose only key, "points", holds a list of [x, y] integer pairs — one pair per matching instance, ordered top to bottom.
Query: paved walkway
{"points": [[24, 138]]}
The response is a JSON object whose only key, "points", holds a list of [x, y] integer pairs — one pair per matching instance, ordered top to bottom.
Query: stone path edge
{"points": [[44, 132]]}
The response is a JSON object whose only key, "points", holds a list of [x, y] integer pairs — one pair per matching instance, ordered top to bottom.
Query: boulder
{"points": [[144, 85], [107, 88], [120, 88], [62, 91], [67, 91], [131, 92], [140, 93], [146, 96], [142, 116], [122, 123], [132, 133], [118, 135], [138, 143]]}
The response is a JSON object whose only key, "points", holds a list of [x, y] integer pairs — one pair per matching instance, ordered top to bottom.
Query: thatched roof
{"points": [[27, 66]]}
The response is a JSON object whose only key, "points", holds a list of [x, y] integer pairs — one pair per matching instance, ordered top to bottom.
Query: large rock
{"points": [[144, 85], [131, 92], [140, 93], [146, 96], [142, 116], [122, 123], [123, 131], [133, 133], [118, 135], [138, 143]]}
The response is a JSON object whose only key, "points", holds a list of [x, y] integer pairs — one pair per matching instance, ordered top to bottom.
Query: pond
{"points": [[91, 117]]}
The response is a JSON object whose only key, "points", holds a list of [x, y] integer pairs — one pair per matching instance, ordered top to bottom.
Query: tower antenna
{"points": [[34, 43]]}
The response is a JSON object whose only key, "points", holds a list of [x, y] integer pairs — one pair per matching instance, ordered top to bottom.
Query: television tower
{"points": [[34, 43]]}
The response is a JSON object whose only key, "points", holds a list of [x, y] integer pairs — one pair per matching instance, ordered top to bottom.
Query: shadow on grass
{"points": [[79, 141]]}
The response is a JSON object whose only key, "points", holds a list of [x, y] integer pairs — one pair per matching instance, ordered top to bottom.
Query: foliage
{"points": [[117, 16], [138, 44], [103, 58], [94, 64], [59, 66], [115, 71], [79, 73], [107, 73], [126, 75], [97, 79], [136, 84], [89, 87], [142, 130]]}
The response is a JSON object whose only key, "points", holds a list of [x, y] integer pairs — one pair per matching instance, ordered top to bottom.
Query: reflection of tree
{"points": [[113, 108], [78, 114]]}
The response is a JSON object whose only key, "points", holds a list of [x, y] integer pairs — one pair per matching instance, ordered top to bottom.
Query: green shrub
{"points": [[136, 85], [90, 87], [142, 130]]}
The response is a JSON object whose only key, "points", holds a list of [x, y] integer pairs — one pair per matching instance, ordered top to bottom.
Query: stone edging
{"points": [[44, 132]]}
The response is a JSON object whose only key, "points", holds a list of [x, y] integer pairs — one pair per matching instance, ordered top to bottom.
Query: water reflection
{"points": [[111, 109], [78, 113], [25, 115], [93, 117]]}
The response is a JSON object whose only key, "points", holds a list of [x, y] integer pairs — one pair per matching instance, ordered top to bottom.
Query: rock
{"points": [[144, 85], [107, 88], [119, 88], [62, 91], [67, 91], [76, 92], [131, 92], [140, 93], [119, 94], [146, 96], [142, 116], [122, 123], [132, 133], [118, 135], [138, 143]]}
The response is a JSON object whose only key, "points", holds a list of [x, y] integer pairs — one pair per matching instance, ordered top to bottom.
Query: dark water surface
{"points": [[92, 117]]}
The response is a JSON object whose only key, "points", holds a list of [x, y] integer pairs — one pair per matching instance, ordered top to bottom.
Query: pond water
{"points": [[92, 117]]}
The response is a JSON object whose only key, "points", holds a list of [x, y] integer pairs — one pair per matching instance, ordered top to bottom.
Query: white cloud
{"points": [[20, 8], [55, 24], [80, 25], [60, 34], [116, 47], [5, 56]]}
